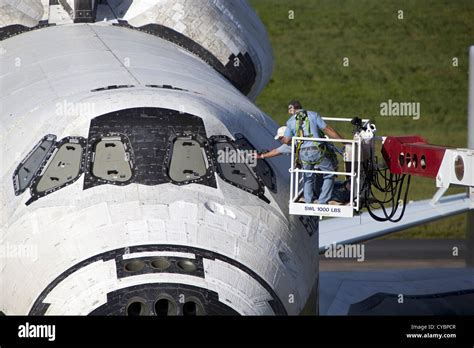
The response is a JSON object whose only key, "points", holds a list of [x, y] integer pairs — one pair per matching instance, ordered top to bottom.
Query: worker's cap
{"points": [[280, 132]]}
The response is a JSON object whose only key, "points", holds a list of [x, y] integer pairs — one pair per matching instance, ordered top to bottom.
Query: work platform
{"points": [[352, 156]]}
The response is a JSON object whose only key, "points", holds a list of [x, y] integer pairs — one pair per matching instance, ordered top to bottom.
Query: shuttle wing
{"points": [[363, 227]]}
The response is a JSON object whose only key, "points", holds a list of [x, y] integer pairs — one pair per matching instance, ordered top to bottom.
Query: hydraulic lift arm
{"points": [[412, 155]]}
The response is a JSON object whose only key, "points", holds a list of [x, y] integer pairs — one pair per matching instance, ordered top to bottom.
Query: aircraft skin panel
{"points": [[25, 12], [224, 28]]}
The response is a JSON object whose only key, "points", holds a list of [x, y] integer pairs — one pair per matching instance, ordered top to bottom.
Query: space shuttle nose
{"points": [[129, 183]]}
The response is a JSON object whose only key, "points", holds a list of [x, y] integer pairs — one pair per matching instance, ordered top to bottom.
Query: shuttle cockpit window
{"points": [[111, 161], [187, 161], [233, 166], [28, 168], [63, 168], [262, 168]]}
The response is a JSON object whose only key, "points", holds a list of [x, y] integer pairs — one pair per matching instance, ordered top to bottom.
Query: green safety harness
{"points": [[302, 117]]}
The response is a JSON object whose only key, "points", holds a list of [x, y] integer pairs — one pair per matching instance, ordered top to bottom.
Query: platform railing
{"points": [[297, 174]]}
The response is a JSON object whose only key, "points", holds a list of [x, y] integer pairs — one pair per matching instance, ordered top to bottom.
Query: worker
{"points": [[283, 149], [312, 155]]}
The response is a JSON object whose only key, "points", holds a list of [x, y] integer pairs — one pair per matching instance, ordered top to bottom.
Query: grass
{"points": [[406, 60]]}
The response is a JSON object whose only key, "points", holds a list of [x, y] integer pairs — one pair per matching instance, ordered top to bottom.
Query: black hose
{"points": [[391, 186]]}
